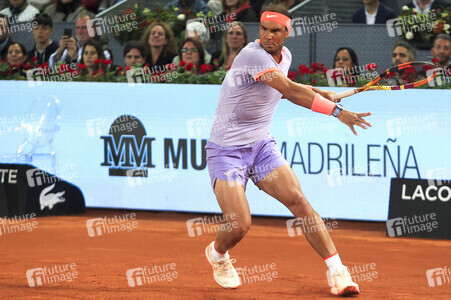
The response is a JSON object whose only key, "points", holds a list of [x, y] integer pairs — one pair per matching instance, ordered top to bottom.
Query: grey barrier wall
{"points": [[371, 43]]}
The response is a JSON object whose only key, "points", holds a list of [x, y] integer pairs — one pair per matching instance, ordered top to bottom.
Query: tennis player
{"points": [[240, 147]]}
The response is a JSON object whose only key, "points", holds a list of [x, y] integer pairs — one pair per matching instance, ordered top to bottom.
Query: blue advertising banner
{"points": [[141, 146]]}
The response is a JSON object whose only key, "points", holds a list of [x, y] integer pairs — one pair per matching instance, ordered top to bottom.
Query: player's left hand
{"points": [[326, 94]]}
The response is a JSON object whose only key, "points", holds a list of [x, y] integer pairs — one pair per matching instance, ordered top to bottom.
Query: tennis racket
{"points": [[401, 77]]}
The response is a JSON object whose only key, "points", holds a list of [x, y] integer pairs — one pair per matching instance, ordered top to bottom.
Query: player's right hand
{"points": [[351, 118]]}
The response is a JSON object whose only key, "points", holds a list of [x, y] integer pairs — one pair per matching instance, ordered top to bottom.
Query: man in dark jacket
{"points": [[423, 6], [373, 12], [42, 31], [5, 38]]}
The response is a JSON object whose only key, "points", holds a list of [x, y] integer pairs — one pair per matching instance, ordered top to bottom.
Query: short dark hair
{"points": [[278, 8], [43, 19], [442, 36], [135, 45], [199, 47], [409, 47]]}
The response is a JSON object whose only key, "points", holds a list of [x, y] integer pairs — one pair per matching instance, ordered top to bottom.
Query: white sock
{"points": [[217, 256], [334, 263]]}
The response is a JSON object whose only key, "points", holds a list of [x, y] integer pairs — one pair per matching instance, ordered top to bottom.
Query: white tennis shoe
{"points": [[223, 271], [342, 285]]}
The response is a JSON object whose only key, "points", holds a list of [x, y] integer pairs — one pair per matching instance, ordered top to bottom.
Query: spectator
{"points": [[196, 5], [423, 6], [66, 10], [238, 10], [20, 11], [373, 12], [42, 31], [198, 31], [5, 37], [159, 41], [232, 42], [70, 49], [441, 50], [192, 53], [402, 53], [16, 54], [134, 54], [346, 59], [89, 64]]}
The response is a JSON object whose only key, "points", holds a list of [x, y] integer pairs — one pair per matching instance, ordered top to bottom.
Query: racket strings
{"points": [[409, 75]]}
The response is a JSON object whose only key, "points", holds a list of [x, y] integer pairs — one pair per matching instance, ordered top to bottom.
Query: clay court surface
{"points": [[161, 239]]}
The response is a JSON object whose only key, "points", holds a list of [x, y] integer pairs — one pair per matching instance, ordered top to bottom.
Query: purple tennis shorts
{"points": [[241, 163]]}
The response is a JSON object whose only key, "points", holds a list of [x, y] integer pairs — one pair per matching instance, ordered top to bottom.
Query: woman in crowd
{"points": [[241, 9], [66, 10], [233, 41], [160, 45], [192, 53], [16, 54], [346, 59], [89, 64]]}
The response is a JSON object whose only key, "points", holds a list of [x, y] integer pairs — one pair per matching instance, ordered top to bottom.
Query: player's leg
{"points": [[282, 184]]}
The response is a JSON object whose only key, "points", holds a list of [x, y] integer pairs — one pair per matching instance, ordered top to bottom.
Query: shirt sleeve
{"points": [[255, 63]]}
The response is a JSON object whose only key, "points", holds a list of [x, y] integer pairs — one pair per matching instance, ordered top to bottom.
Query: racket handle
{"points": [[344, 94]]}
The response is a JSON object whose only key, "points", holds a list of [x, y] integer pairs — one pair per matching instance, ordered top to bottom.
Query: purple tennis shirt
{"points": [[246, 104]]}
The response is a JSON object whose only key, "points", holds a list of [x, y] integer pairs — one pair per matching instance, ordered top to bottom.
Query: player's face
{"points": [[272, 36], [442, 51], [400, 56], [133, 57], [343, 60]]}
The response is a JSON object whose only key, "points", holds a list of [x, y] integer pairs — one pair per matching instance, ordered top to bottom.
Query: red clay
{"points": [[162, 238]]}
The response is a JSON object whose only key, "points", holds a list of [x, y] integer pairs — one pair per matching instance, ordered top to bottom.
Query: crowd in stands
{"points": [[157, 47]]}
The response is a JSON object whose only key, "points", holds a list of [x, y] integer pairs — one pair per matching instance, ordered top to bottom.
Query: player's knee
{"points": [[297, 200], [241, 228]]}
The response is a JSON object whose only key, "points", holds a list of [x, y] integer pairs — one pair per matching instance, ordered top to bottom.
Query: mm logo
{"points": [[127, 147]]}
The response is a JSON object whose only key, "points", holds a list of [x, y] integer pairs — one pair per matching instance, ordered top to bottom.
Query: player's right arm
{"points": [[303, 96]]}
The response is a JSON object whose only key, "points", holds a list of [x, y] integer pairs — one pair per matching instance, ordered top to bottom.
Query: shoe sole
{"points": [[207, 255], [347, 291]]}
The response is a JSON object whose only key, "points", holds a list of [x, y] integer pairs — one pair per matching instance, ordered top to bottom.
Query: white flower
{"points": [[405, 8], [181, 17], [447, 26], [409, 35]]}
